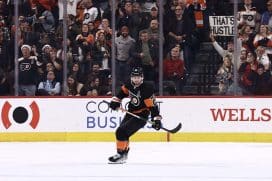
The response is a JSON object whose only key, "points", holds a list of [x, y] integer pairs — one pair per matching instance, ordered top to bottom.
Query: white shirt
{"points": [[71, 7], [264, 60], [48, 86]]}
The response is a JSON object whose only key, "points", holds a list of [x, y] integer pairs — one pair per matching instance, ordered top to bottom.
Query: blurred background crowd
{"points": [[88, 47]]}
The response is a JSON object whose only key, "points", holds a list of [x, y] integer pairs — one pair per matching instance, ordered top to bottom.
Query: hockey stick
{"points": [[174, 130]]}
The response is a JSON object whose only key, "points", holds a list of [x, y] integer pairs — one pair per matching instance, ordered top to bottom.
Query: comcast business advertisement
{"points": [[93, 115], [101, 117]]}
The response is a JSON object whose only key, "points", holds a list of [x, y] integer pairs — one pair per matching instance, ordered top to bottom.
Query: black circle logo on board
{"points": [[20, 115]]}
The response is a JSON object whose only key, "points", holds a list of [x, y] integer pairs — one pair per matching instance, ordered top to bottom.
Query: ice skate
{"points": [[119, 158]]}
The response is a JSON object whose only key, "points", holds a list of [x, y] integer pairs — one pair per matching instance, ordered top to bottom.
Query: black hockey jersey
{"points": [[141, 98]]}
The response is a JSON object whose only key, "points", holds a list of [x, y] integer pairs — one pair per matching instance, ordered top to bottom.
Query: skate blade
{"points": [[119, 162]]}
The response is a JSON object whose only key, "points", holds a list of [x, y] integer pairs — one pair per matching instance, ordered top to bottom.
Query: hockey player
{"points": [[142, 103]]}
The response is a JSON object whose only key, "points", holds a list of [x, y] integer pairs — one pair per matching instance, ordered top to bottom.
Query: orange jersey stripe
{"points": [[124, 89], [149, 102], [140, 110]]}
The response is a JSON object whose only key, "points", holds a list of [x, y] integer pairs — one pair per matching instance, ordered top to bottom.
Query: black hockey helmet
{"points": [[136, 71], [136, 76]]}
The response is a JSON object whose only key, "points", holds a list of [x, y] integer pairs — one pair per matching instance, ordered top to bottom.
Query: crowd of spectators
{"points": [[89, 44], [254, 45]]}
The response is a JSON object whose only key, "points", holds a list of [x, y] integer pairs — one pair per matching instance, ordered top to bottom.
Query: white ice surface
{"points": [[147, 161]]}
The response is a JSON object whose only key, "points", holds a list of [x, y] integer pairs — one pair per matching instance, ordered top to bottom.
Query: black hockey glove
{"points": [[114, 105], [156, 122]]}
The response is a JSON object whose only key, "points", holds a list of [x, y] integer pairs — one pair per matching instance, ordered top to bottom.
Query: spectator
{"points": [[148, 4], [170, 7], [71, 8], [196, 8], [107, 11], [188, 12], [91, 13], [248, 15], [124, 16], [149, 16], [266, 16], [43, 19], [136, 20], [48, 21], [105, 27], [74, 28], [92, 28], [153, 31], [179, 32], [29, 36], [247, 36], [264, 38], [85, 39], [85, 42], [123, 45], [220, 50], [102, 51], [34, 52], [223, 52], [46, 53], [145, 55], [243, 57], [263, 58], [57, 62], [52, 63], [50, 67], [173, 69], [244, 70], [28, 72], [76, 72], [97, 72], [225, 75], [260, 80], [92, 84], [73, 86], [49, 87]]}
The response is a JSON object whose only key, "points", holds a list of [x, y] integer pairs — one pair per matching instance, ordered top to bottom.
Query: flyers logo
{"points": [[25, 66], [20, 115]]}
